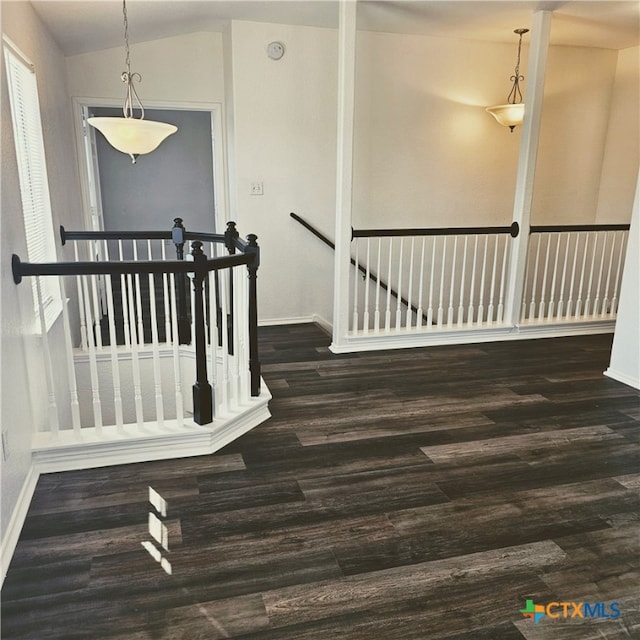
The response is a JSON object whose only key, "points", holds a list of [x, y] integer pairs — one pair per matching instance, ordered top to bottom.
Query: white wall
{"points": [[185, 68], [575, 117], [285, 137], [622, 150], [426, 152], [625, 354], [23, 401]]}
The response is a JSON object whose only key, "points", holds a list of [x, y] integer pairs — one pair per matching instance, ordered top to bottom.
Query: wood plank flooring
{"points": [[420, 494]]}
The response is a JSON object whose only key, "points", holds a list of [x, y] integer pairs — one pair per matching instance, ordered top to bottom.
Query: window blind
{"points": [[32, 171]]}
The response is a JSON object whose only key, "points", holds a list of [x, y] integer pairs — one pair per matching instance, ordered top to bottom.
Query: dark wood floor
{"points": [[417, 494]]}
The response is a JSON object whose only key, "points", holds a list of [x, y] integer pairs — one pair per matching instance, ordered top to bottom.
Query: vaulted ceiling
{"points": [[87, 25]]}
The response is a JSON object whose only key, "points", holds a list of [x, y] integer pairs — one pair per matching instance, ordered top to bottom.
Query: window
{"points": [[32, 171]]}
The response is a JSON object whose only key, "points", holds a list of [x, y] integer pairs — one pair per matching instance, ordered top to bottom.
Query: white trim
{"points": [[218, 151], [344, 168], [312, 319], [412, 339], [622, 377], [112, 447], [12, 534]]}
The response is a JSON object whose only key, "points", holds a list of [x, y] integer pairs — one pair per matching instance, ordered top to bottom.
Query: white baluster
{"points": [[592, 257], [582, 270], [564, 274], [463, 275], [431, 276], [573, 276], [356, 277], [554, 278], [503, 279], [493, 280], [482, 281], [616, 282], [452, 285], [421, 286], [472, 288], [543, 289], [441, 293], [165, 297], [399, 298], [138, 300], [125, 301], [605, 301], [596, 303], [81, 306], [532, 306], [365, 314], [387, 315], [409, 316], [376, 317], [212, 340], [155, 347], [224, 347], [135, 357], [115, 365], [93, 366], [177, 375], [74, 403], [54, 425]]}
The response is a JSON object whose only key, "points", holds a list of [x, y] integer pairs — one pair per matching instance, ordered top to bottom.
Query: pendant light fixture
{"points": [[511, 114], [131, 135]]}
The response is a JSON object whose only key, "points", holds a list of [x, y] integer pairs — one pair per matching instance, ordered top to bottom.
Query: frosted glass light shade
{"points": [[508, 115], [134, 136]]}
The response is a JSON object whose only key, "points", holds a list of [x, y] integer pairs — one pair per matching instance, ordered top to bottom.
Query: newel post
{"points": [[184, 326], [254, 358], [202, 393]]}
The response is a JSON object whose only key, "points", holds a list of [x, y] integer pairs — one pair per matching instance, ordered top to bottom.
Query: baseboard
{"points": [[269, 322], [488, 333], [622, 377], [112, 447], [16, 522]]}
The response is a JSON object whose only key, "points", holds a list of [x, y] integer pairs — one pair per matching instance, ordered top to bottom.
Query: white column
{"points": [[536, 70], [344, 172]]}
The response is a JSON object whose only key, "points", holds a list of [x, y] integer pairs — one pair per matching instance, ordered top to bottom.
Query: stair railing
{"points": [[214, 302]]}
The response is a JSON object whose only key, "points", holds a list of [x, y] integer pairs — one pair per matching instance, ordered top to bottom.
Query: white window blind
{"points": [[32, 171]]}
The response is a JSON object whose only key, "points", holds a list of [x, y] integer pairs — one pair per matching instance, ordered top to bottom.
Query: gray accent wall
{"points": [[175, 180]]}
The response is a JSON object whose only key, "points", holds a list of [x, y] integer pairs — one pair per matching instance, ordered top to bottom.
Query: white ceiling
{"points": [[80, 26]]}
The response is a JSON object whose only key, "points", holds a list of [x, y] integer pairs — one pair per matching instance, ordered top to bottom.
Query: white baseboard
{"points": [[314, 318], [431, 337], [622, 377], [111, 447], [16, 522]]}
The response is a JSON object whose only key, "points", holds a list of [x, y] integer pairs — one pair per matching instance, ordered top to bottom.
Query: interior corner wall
{"points": [[575, 117], [285, 138], [622, 150], [426, 153], [22, 399]]}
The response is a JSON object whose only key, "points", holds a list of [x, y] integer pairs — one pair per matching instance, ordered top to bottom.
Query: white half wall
{"points": [[625, 354]]}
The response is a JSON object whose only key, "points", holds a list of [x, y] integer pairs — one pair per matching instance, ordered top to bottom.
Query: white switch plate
{"points": [[256, 189]]}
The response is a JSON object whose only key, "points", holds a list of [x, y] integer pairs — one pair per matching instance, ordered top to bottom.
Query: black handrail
{"points": [[559, 228], [513, 230], [137, 235], [123, 267], [200, 267], [383, 284]]}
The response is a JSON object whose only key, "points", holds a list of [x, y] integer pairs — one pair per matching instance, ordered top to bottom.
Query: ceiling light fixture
{"points": [[511, 114], [131, 135]]}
